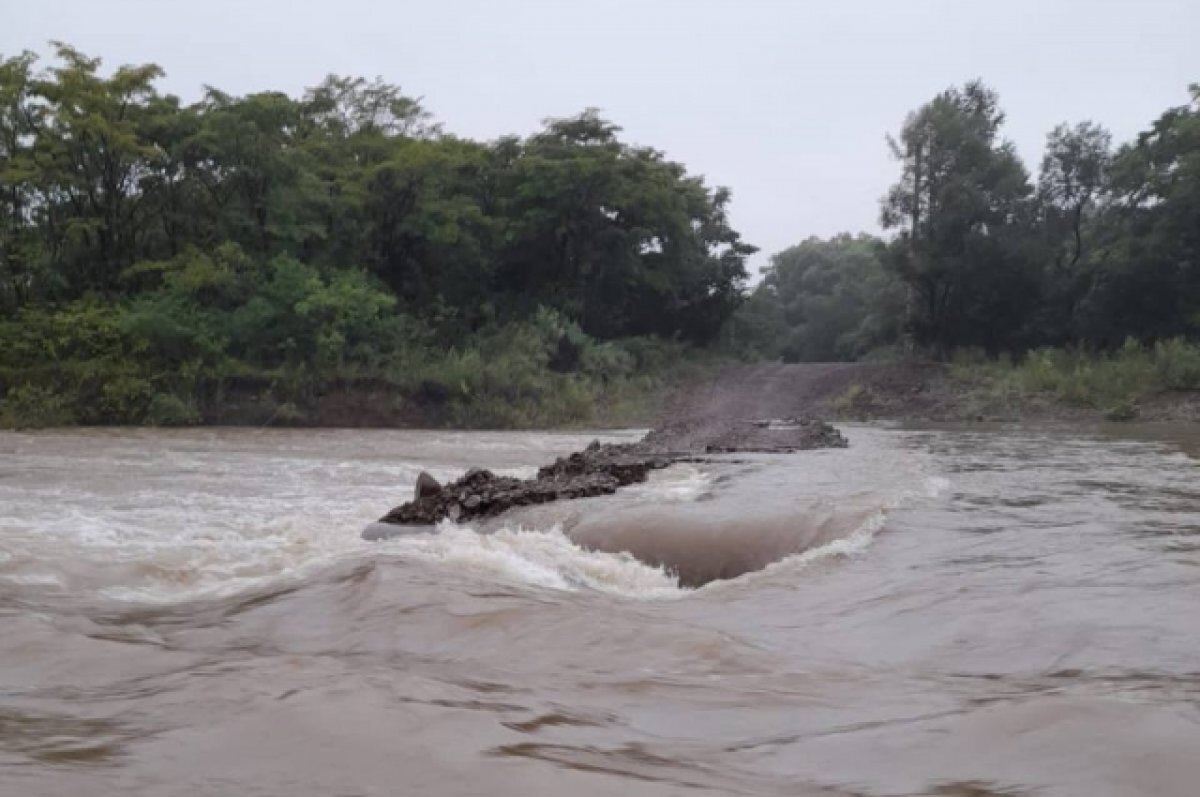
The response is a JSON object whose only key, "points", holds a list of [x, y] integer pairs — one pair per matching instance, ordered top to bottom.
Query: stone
{"points": [[603, 468], [426, 485]]}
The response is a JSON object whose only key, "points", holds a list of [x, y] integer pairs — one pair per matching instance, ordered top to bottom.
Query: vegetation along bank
{"points": [[338, 258]]}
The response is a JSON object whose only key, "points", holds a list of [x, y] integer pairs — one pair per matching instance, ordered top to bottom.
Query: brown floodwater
{"points": [[965, 612]]}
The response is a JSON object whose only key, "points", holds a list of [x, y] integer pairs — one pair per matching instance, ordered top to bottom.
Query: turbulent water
{"points": [[971, 613]]}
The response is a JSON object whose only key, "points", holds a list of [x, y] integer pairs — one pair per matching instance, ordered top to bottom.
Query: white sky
{"points": [[785, 101]]}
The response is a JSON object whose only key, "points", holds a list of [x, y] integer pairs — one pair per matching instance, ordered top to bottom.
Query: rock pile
{"points": [[781, 436], [601, 469]]}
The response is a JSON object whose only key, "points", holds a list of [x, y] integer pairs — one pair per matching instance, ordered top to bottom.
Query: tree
{"points": [[347, 108], [92, 156], [1074, 174], [260, 188], [1071, 191], [961, 206], [426, 234], [617, 237], [295, 241], [21, 262], [1147, 278], [833, 300]]}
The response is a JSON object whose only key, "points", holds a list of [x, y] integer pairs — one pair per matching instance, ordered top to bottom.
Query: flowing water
{"points": [[956, 612]]}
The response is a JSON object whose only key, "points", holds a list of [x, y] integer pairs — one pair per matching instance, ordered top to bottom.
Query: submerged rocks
{"points": [[601, 469]]}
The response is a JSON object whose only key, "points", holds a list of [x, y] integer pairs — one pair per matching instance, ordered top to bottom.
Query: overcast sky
{"points": [[786, 102]]}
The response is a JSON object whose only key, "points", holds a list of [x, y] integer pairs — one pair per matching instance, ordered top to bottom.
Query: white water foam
{"points": [[676, 484], [277, 519], [160, 555], [538, 558], [548, 559], [217, 563]]}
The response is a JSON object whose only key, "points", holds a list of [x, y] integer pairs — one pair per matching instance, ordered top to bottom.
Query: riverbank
{"points": [[519, 376], [651, 386], [1120, 388]]}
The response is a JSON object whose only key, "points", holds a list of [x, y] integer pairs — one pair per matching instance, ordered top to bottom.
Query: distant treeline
{"points": [[1103, 247], [155, 254], [160, 261]]}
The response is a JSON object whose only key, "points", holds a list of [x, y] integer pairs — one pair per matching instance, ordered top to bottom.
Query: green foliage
{"points": [[110, 179], [960, 205], [1106, 248], [157, 258], [821, 301], [1177, 364], [501, 377], [1113, 382], [126, 396], [32, 407], [167, 409], [1121, 412]]}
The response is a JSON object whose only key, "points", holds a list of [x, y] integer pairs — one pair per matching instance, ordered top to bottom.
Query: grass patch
{"points": [[1111, 382]]}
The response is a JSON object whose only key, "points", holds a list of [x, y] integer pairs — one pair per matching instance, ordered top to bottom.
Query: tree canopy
{"points": [[101, 172], [176, 246], [1102, 247], [154, 252]]}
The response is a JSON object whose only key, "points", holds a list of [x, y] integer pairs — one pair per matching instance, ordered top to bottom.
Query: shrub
{"points": [[608, 361], [1177, 364], [1112, 382], [126, 398], [34, 407], [167, 409], [1123, 411]]}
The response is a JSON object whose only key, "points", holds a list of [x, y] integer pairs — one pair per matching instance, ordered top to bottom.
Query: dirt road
{"points": [[825, 390]]}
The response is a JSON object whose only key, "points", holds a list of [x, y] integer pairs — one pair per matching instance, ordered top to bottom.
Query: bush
{"points": [[157, 358], [608, 361], [1177, 364], [1111, 381], [127, 398], [33, 407], [167, 409], [1124, 411]]}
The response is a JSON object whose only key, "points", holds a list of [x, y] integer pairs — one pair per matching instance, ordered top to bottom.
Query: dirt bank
{"points": [[824, 390], [900, 391]]}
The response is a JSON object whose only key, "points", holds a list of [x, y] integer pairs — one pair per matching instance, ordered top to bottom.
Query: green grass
{"points": [[1111, 382]]}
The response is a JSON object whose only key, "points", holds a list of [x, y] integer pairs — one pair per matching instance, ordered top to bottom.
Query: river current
{"points": [[978, 612]]}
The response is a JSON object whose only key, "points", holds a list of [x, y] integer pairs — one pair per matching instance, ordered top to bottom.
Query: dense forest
{"points": [[1102, 248], [239, 258], [159, 259]]}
